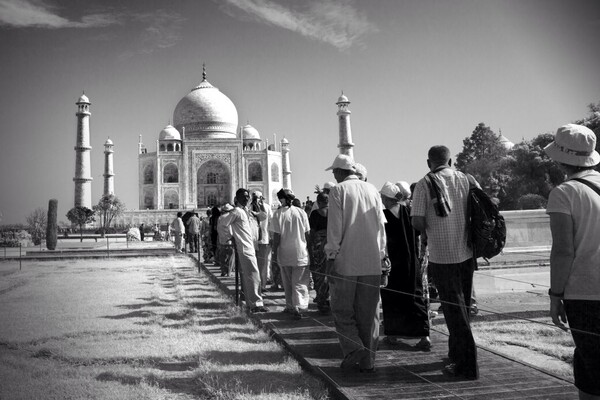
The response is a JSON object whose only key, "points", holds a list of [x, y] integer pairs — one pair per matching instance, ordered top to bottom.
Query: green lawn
{"points": [[134, 329]]}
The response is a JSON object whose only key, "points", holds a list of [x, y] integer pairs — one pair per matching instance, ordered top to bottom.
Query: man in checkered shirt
{"points": [[439, 209]]}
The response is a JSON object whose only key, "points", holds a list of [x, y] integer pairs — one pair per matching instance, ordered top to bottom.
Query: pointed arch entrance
{"points": [[213, 184]]}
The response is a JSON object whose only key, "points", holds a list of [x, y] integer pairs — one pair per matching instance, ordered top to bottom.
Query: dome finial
{"points": [[203, 71]]}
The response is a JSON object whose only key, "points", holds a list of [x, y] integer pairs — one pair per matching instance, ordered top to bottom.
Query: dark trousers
{"points": [[454, 283], [584, 320]]}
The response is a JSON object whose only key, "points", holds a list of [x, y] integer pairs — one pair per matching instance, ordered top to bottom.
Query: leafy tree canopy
{"points": [[108, 207], [81, 216]]}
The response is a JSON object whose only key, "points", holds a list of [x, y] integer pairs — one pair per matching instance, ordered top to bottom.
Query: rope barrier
{"points": [[484, 310]]}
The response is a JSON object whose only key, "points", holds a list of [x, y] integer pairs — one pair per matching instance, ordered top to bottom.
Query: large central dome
{"points": [[205, 112]]}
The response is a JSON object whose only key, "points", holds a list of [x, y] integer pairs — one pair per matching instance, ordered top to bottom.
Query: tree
{"points": [[484, 157], [108, 207], [81, 216], [36, 225], [51, 227]]}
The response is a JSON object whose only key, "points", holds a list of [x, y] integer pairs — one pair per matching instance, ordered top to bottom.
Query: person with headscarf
{"points": [[262, 210], [290, 236], [316, 249], [405, 313]]}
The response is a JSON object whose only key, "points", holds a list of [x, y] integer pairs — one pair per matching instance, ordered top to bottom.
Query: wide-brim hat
{"points": [[574, 145], [342, 161], [390, 190], [226, 208]]}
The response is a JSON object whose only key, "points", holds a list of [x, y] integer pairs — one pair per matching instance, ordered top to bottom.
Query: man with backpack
{"points": [[439, 208]]}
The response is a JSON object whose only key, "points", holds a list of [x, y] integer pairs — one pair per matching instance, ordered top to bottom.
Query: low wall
{"points": [[527, 228]]}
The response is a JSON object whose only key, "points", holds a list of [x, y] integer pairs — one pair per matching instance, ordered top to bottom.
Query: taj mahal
{"points": [[199, 161], [196, 162]]}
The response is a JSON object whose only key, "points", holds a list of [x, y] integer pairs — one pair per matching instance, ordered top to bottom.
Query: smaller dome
{"points": [[83, 99], [343, 99], [169, 133], [250, 133], [284, 141], [108, 142], [505, 142]]}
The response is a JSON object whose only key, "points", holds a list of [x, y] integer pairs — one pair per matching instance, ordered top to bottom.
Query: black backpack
{"points": [[486, 227]]}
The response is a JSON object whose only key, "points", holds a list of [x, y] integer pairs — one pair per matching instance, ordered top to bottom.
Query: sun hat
{"points": [[574, 145], [342, 161], [361, 170], [328, 185], [404, 188], [390, 190], [257, 193], [227, 207]]}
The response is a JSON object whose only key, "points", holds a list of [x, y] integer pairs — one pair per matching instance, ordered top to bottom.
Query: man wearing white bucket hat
{"points": [[574, 210], [355, 251]]}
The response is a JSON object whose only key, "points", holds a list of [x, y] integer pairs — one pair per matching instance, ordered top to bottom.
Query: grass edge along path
{"points": [[169, 333]]}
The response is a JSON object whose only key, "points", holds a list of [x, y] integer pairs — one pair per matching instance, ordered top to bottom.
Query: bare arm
{"points": [[561, 261]]}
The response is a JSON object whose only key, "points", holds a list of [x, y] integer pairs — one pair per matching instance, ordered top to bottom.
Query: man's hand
{"points": [[557, 312]]}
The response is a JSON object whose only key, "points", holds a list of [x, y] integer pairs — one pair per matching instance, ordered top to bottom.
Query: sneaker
{"points": [[298, 316], [424, 344], [354, 358]]}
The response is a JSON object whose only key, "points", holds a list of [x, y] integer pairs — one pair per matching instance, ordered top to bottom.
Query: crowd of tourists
{"points": [[359, 247]]}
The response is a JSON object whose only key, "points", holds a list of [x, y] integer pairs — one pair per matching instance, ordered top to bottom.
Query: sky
{"points": [[417, 73]]}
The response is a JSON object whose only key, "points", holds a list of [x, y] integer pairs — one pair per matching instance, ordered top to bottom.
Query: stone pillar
{"points": [[345, 131], [285, 164], [83, 170], [109, 175], [158, 185]]}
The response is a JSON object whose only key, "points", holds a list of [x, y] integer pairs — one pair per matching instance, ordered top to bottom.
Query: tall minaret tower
{"points": [[343, 113], [285, 164], [83, 170], [109, 175]]}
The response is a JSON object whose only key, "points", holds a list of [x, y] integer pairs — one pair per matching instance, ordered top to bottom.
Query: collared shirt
{"points": [[583, 205], [291, 223], [263, 224], [177, 225], [194, 225], [224, 228], [355, 228], [242, 232], [447, 237]]}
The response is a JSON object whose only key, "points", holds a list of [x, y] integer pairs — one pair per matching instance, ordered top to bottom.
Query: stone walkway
{"points": [[403, 372]]}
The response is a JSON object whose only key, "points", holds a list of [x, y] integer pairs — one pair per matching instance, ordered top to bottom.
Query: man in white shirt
{"points": [[242, 231], [290, 237], [355, 249]]}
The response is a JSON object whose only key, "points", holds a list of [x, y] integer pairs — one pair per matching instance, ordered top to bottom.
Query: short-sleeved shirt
{"points": [[583, 205], [291, 223], [224, 228], [242, 232], [447, 237]]}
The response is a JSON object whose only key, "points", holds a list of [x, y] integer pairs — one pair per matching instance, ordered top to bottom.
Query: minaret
{"points": [[343, 113], [285, 164], [83, 173], [109, 175]]}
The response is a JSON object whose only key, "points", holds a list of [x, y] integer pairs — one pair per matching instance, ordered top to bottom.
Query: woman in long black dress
{"points": [[405, 313]]}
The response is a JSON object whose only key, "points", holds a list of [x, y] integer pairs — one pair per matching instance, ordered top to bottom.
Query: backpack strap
{"points": [[588, 184]]}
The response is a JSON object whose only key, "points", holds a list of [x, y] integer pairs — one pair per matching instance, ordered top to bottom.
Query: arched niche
{"points": [[254, 172], [170, 173], [213, 184]]}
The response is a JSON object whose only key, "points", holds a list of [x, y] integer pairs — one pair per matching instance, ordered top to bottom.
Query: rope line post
{"points": [[107, 248], [20, 256], [237, 277]]}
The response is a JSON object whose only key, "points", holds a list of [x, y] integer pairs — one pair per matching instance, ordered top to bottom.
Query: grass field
{"points": [[134, 329]]}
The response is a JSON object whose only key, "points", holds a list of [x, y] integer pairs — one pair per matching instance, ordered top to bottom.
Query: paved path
{"points": [[404, 372]]}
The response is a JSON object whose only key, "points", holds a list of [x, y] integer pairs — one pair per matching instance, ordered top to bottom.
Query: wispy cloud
{"points": [[40, 14], [336, 22], [159, 30]]}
